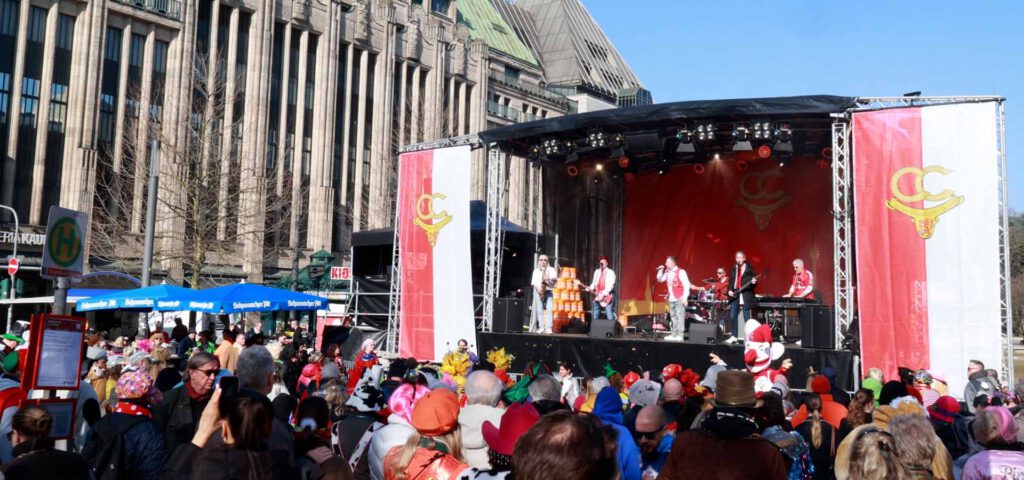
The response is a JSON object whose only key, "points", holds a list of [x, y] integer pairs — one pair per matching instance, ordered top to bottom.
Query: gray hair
{"points": [[798, 262], [199, 359], [255, 366], [545, 387], [483, 388]]}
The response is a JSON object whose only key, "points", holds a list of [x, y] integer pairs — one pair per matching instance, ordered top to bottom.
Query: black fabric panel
{"points": [[658, 114], [590, 354]]}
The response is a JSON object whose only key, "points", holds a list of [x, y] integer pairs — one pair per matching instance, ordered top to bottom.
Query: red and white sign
{"points": [[926, 197], [433, 232], [12, 266], [341, 273]]}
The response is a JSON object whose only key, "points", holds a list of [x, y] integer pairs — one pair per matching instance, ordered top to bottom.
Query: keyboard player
{"points": [[802, 285]]}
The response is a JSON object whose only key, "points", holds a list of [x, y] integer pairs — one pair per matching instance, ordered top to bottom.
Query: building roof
{"points": [[485, 23], [522, 24], [574, 50]]}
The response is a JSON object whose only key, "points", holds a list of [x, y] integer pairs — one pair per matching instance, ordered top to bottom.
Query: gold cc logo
{"points": [[763, 202], [924, 218], [431, 222]]}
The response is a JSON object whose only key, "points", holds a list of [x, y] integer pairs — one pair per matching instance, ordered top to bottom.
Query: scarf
{"points": [[195, 396], [127, 408], [729, 423]]}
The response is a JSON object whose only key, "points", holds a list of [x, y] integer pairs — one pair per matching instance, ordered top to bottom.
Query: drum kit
{"points": [[703, 307]]}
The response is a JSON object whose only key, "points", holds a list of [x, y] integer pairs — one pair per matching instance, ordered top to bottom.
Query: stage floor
{"points": [[632, 353]]}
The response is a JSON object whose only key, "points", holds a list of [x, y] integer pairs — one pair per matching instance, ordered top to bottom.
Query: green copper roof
{"points": [[485, 23]]}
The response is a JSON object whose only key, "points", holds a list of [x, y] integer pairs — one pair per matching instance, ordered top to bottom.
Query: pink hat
{"points": [[404, 399]]}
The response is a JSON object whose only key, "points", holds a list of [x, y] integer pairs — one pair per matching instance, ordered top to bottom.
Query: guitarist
{"points": [[742, 281], [601, 287]]}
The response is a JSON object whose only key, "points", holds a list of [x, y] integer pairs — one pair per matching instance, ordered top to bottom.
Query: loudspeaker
{"points": [[509, 315], [818, 327], [605, 328], [704, 333]]}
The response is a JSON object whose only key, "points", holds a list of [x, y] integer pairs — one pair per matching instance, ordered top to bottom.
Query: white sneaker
{"points": [[547, 332], [732, 340], [798, 343]]}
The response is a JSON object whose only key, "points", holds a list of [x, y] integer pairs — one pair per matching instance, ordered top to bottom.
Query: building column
{"points": [[122, 85], [403, 89], [213, 90], [434, 108], [463, 109], [478, 116], [43, 117], [282, 122], [415, 125], [451, 128], [227, 132], [143, 135], [346, 139], [298, 149], [383, 149], [11, 155], [321, 193], [357, 210]]}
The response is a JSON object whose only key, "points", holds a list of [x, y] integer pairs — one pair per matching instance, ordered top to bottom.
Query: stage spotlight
{"points": [[763, 131], [705, 132], [597, 139], [685, 139], [741, 139], [783, 140], [552, 147], [536, 151], [764, 151], [717, 157], [623, 161], [599, 167], [698, 169], [572, 170]]}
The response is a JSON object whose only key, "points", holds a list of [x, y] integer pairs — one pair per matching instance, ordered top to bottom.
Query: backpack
{"points": [[108, 462]]}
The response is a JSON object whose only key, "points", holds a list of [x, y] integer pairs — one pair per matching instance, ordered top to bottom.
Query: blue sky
{"points": [[685, 50]]}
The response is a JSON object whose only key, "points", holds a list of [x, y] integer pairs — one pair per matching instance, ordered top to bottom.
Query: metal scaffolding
{"points": [[842, 223], [494, 234]]}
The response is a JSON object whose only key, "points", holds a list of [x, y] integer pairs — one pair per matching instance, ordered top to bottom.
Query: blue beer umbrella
{"points": [[156, 297], [248, 297]]}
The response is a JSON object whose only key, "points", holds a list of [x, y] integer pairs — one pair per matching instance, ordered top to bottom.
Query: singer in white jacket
{"points": [[678, 295]]}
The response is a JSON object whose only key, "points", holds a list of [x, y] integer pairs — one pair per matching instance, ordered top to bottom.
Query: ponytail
{"points": [[813, 404]]}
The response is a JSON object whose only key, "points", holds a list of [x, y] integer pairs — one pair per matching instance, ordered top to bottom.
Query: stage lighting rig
{"points": [[763, 131], [705, 132], [597, 139], [684, 139], [741, 139], [783, 140], [554, 146]]}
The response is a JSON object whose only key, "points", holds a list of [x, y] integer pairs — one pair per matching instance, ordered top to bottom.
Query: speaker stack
{"points": [[509, 315], [818, 327]]}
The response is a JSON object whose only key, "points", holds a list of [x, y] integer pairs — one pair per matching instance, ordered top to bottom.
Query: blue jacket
{"points": [[608, 408], [143, 443]]}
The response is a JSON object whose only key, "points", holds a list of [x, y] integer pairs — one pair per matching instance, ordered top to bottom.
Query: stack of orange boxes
{"points": [[568, 304]]}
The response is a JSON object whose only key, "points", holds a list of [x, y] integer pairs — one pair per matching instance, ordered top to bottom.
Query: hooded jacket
{"points": [[608, 408], [831, 411], [472, 418]]}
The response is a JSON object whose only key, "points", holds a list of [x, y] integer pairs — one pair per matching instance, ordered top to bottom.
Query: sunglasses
{"points": [[209, 373], [647, 435]]}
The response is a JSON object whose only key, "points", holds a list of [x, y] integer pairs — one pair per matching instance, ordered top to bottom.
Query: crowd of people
{"points": [[181, 405]]}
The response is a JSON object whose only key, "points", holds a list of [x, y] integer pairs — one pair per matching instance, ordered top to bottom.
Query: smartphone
{"points": [[228, 386]]}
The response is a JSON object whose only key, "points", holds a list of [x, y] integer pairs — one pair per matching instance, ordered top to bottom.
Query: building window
{"points": [[439, 6], [512, 73], [5, 92], [156, 97], [29, 102], [58, 107]]}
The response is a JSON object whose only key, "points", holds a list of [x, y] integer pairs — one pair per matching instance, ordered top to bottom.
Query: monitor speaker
{"points": [[509, 315], [818, 327], [605, 328], [704, 333]]}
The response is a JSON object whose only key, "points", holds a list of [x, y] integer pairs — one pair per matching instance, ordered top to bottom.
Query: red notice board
{"points": [[55, 352]]}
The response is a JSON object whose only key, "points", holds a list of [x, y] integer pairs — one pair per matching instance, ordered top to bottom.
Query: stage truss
{"points": [[843, 254]]}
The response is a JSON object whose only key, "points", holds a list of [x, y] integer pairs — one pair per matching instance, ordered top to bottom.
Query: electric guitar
{"points": [[735, 293], [603, 300]]}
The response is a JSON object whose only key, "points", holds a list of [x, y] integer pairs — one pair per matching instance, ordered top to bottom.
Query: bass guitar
{"points": [[735, 293], [602, 300]]}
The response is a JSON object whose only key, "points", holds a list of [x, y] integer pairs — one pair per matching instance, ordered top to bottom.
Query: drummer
{"points": [[719, 287]]}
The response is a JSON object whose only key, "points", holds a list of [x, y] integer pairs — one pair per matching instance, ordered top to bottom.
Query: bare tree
{"points": [[201, 221]]}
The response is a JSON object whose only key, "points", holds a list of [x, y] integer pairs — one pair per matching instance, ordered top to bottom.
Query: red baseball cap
{"points": [[515, 422]]}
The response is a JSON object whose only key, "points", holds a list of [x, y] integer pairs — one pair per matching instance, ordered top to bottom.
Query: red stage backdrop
{"points": [[775, 214], [927, 218]]}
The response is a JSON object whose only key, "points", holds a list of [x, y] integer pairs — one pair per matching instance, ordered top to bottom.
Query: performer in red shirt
{"points": [[803, 282], [721, 285]]}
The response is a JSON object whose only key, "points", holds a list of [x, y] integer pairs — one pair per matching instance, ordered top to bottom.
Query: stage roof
{"points": [[667, 114]]}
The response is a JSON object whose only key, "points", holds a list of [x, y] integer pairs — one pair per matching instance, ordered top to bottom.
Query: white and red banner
{"points": [[927, 216], [434, 252]]}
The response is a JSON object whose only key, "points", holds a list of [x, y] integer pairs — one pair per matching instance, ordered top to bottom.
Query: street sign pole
{"points": [[64, 252], [10, 308]]}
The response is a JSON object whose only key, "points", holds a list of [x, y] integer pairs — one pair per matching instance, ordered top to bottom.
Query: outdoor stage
{"points": [[631, 352]]}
